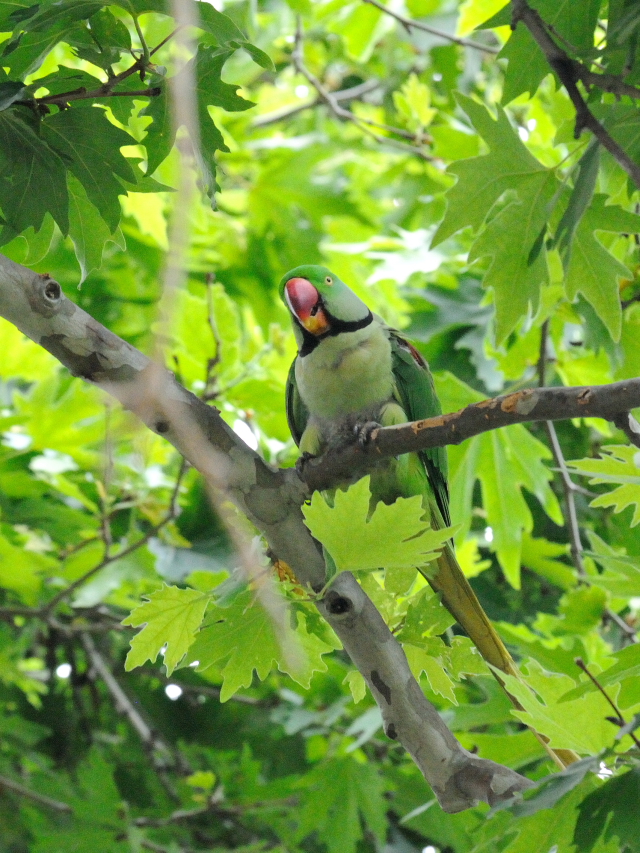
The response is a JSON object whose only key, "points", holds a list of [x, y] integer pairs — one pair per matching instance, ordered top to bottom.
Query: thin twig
{"points": [[409, 24], [570, 71], [106, 90], [353, 93], [339, 112], [567, 482], [569, 488], [111, 558], [206, 690], [619, 720], [160, 754], [50, 803]]}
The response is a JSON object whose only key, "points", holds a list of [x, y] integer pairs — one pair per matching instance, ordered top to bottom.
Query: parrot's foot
{"points": [[364, 431], [301, 461]]}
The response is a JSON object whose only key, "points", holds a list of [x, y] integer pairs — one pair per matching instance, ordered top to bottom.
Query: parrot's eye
{"points": [[328, 280]]}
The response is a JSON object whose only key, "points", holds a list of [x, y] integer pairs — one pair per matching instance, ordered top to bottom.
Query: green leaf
{"points": [[219, 25], [25, 54], [527, 63], [10, 91], [211, 91], [413, 101], [161, 132], [90, 145], [32, 175], [483, 180], [579, 201], [87, 229], [514, 237], [514, 240], [593, 270], [510, 460], [505, 462], [618, 464], [395, 536], [540, 556], [22, 571], [426, 616], [170, 617], [246, 634], [430, 660], [627, 666], [579, 724], [551, 789], [340, 799], [610, 812]]}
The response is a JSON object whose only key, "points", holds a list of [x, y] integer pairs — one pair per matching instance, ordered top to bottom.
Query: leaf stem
{"points": [[619, 719]]}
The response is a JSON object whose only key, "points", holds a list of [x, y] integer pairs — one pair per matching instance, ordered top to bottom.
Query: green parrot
{"points": [[353, 371]]}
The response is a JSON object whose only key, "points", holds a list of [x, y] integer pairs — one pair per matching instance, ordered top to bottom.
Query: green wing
{"points": [[416, 394], [297, 412]]}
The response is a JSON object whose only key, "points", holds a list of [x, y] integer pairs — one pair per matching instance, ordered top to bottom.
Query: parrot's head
{"points": [[321, 304]]}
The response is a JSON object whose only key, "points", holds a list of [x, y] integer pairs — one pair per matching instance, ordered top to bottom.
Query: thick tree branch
{"points": [[570, 72], [532, 404], [271, 500], [459, 781]]}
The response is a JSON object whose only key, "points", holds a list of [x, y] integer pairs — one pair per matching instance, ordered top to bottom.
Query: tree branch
{"points": [[409, 24], [570, 72], [339, 112], [529, 405], [271, 500], [160, 754], [42, 799]]}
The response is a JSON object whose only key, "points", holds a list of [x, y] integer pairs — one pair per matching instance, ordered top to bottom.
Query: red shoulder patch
{"points": [[417, 356]]}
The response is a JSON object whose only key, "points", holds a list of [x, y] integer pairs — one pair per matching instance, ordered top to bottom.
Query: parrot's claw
{"points": [[364, 431], [301, 461]]}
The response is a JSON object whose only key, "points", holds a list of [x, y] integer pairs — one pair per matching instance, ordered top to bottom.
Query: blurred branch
{"points": [[409, 24], [570, 72], [353, 93], [339, 112], [160, 754], [41, 799]]}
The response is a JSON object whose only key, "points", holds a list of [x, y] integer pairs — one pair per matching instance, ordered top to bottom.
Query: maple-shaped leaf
{"points": [[483, 180], [514, 238], [593, 270], [618, 464], [395, 536], [170, 617], [246, 635], [579, 724], [341, 797]]}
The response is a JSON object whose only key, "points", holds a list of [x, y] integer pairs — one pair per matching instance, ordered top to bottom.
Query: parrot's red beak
{"points": [[305, 302]]}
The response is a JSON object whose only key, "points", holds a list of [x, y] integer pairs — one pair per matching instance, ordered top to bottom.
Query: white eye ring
{"points": [[328, 280]]}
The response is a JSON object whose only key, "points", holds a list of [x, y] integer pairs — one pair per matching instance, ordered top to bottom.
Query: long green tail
{"points": [[461, 601]]}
